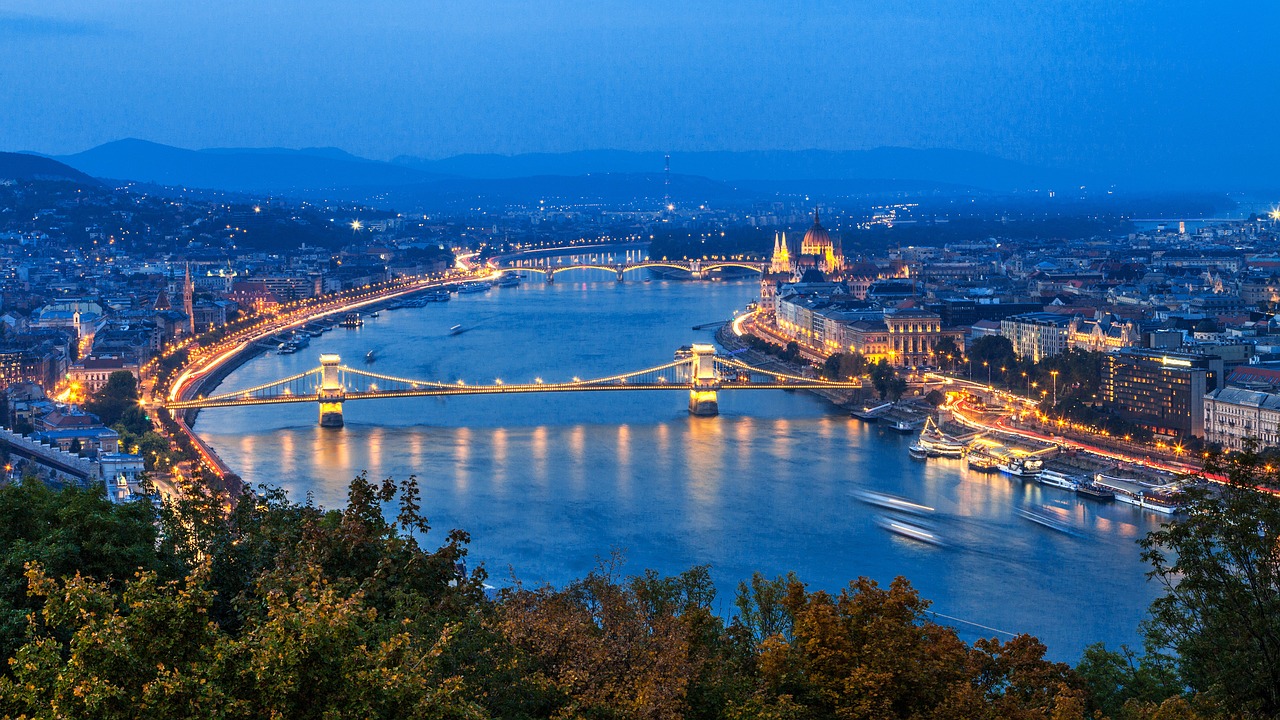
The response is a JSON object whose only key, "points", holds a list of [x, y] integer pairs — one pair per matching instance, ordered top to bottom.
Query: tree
{"points": [[882, 375], [116, 402], [1219, 617]]}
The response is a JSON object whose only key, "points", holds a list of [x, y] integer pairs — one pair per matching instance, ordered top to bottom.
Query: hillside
{"points": [[22, 166], [267, 170]]}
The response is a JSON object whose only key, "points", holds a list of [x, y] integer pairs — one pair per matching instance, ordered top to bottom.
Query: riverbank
{"points": [[730, 341]]}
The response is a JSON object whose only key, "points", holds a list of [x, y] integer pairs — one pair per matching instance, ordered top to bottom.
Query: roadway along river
{"points": [[546, 483]]}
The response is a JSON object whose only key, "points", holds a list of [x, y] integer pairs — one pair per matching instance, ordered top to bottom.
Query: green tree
{"points": [[116, 402], [67, 532], [1219, 617]]}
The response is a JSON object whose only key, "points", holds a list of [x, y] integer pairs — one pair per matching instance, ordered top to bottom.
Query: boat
{"points": [[507, 280], [473, 287], [436, 296], [374, 314], [352, 320], [457, 330], [286, 349], [370, 357], [936, 443], [917, 451], [982, 463], [1025, 468], [1054, 478], [1095, 491], [1161, 498], [892, 502], [1042, 518], [910, 530]]}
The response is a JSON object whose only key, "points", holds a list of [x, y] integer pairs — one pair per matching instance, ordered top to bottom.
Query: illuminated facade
{"points": [[816, 250], [1103, 334], [1038, 335], [1162, 391], [1233, 416]]}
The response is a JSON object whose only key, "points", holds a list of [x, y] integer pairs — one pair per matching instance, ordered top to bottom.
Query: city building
{"points": [[1104, 333], [1036, 336], [93, 372], [1161, 391], [1233, 416]]}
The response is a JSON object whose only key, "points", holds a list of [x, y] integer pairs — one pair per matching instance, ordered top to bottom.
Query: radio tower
{"points": [[666, 186]]}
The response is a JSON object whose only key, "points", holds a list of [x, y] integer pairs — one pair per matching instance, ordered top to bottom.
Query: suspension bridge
{"points": [[698, 269], [697, 370]]}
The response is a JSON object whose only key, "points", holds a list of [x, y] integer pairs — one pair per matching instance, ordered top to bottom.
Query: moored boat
{"points": [[352, 320], [1026, 468], [1054, 478], [1095, 492], [1160, 498]]}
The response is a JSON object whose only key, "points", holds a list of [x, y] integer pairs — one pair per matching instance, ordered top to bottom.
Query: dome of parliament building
{"points": [[817, 241]]}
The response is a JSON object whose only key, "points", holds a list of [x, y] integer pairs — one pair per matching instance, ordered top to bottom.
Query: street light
{"points": [[1054, 373]]}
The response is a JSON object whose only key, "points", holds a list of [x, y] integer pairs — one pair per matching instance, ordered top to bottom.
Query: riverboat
{"points": [[507, 280], [473, 287], [437, 296], [352, 320], [457, 330], [286, 349], [370, 357], [936, 443], [917, 451], [982, 463], [1025, 468], [1054, 478], [1095, 492], [1160, 498], [892, 502], [1044, 519], [909, 530]]}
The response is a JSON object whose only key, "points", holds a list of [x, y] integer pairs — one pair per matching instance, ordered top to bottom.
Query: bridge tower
{"points": [[695, 266], [549, 275], [705, 381], [332, 392]]}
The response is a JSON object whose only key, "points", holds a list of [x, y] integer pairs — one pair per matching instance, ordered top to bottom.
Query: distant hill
{"points": [[22, 166], [916, 167], [264, 170], [647, 188]]}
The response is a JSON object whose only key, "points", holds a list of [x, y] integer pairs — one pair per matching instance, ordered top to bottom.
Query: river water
{"points": [[546, 484]]}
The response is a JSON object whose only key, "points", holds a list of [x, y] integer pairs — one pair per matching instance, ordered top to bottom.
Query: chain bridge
{"points": [[699, 269], [697, 370]]}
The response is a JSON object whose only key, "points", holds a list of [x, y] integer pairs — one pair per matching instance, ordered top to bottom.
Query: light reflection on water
{"points": [[547, 483]]}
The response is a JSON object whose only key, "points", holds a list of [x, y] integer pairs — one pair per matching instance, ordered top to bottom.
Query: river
{"points": [[546, 484]]}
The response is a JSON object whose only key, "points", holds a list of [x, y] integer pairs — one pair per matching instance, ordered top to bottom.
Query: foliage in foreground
{"points": [[286, 610]]}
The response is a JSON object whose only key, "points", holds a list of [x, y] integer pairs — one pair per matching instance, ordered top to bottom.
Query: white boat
{"points": [[473, 287], [457, 330], [917, 451], [1025, 468], [1053, 478], [1161, 498], [892, 502], [1040, 517], [909, 530]]}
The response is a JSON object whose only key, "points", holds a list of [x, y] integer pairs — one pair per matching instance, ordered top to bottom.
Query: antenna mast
{"points": [[666, 185]]}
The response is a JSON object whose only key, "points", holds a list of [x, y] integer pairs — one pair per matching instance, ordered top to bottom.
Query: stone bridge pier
{"points": [[332, 392]]}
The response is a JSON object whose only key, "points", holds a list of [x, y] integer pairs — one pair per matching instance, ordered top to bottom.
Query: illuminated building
{"points": [[817, 250], [1104, 333], [1036, 336], [1162, 391], [1233, 416]]}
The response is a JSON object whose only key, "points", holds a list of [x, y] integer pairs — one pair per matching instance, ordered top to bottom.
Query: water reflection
{"points": [[547, 483]]}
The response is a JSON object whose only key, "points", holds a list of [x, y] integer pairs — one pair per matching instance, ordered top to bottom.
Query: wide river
{"points": [[546, 484]]}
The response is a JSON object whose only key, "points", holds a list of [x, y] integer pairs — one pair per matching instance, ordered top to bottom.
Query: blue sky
{"points": [[1088, 84]]}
